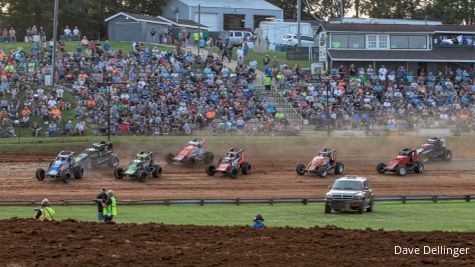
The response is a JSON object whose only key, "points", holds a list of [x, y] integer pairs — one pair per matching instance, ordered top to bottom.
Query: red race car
{"points": [[194, 151], [404, 162], [232, 163], [321, 164]]}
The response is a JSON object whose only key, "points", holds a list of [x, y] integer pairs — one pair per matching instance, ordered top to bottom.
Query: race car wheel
{"points": [[448, 155], [209, 157], [169, 158], [424, 158], [113, 162], [419, 167], [246, 168], [339, 168], [381, 168], [300, 169], [211, 170], [157, 171], [401, 171], [322, 172], [78, 173], [118, 173], [234, 173], [40, 174], [142, 176], [65, 177]]}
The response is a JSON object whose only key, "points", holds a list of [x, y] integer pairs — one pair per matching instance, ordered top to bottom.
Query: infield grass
{"points": [[420, 216]]}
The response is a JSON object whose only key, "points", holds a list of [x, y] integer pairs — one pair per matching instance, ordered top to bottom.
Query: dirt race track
{"points": [[273, 174], [69, 243]]}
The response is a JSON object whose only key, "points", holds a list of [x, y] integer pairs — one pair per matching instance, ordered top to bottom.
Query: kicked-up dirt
{"points": [[71, 243]]}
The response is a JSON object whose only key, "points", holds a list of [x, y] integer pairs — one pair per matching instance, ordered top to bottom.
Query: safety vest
{"points": [[112, 208], [47, 213]]}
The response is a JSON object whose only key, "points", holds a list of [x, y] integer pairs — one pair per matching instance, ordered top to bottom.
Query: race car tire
{"points": [[448, 155], [209, 157], [169, 158], [113, 162], [419, 167], [246, 168], [339, 168], [381, 168], [300, 169], [211, 170], [157, 171], [401, 171], [234, 172], [322, 172], [78, 173], [119, 173], [40, 174], [142, 176]]}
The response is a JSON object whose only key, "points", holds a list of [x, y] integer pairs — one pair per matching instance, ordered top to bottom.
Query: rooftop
{"points": [[241, 4]]}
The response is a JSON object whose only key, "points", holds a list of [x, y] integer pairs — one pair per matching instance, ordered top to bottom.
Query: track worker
{"points": [[101, 198], [110, 207], [45, 212], [258, 221]]}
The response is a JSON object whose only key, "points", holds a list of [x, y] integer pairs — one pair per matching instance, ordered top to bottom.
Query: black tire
{"points": [[448, 155], [209, 157], [169, 158], [113, 162], [419, 167], [245, 168], [339, 168], [381, 168], [300, 169], [211, 170], [157, 171], [401, 171], [234, 172], [322, 172], [78, 173], [119, 173], [40, 174], [142, 176], [65, 177], [371, 206], [361, 207], [328, 208]]}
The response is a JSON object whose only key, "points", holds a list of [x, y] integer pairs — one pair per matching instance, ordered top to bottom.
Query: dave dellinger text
{"points": [[431, 250]]}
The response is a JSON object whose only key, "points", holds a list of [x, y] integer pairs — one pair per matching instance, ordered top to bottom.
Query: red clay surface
{"points": [[273, 174], [69, 243]]}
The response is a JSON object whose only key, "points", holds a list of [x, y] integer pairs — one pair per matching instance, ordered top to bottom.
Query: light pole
{"points": [[299, 18], [199, 28], [55, 36], [328, 110]]}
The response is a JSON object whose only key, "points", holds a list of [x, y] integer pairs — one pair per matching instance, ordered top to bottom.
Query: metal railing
{"points": [[290, 112]]}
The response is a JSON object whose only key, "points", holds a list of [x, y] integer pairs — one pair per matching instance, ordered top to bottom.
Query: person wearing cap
{"points": [[101, 198], [110, 207], [45, 212], [258, 221]]}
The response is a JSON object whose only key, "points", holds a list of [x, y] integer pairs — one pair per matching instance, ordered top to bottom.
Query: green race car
{"points": [[141, 168]]}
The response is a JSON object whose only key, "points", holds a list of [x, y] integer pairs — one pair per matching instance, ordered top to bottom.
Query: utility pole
{"points": [[342, 9], [299, 18], [199, 28], [55, 36], [328, 110]]}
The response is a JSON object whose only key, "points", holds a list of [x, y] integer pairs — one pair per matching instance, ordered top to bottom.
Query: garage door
{"points": [[210, 20]]}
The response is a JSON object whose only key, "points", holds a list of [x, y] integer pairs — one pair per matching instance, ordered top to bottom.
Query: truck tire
{"points": [[209, 157], [169, 158], [419, 167], [246, 168], [339, 168], [381, 168], [300, 169], [211, 170], [157, 171], [401, 171], [234, 172], [322, 172], [78, 173], [119, 173], [40, 174], [142, 176], [361, 207], [328, 208], [370, 208]]}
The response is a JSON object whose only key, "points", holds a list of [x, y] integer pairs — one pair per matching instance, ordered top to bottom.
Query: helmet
{"points": [[110, 193], [45, 202], [258, 217]]}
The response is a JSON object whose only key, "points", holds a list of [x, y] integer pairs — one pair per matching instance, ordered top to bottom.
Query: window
{"points": [[237, 34], [339, 41], [352, 41], [356, 41], [377, 41], [399, 42], [408, 42], [418, 42]]}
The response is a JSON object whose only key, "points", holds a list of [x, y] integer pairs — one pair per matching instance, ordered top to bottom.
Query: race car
{"points": [[434, 150], [194, 151], [98, 155], [405, 161], [231, 164], [321, 164], [62, 168], [141, 168]]}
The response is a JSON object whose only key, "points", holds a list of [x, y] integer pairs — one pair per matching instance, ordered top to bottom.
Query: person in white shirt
{"points": [[67, 33], [76, 33], [382, 73], [59, 92], [52, 103]]}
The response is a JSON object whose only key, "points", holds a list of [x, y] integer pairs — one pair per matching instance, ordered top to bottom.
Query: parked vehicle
{"points": [[237, 37], [292, 40], [434, 150], [194, 151], [98, 155], [405, 161], [231, 164], [321, 164], [63, 168], [141, 168], [350, 193]]}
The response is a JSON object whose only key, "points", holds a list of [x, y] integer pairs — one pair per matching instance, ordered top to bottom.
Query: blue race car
{"points": [[62, 168]]}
